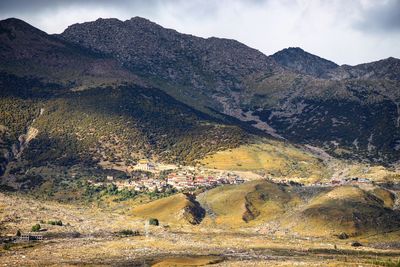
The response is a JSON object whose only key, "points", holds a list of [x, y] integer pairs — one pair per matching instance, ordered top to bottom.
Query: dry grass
{"points": [[274, 158], [347, 209], [166, 210], [184, 244], [188, 261]]}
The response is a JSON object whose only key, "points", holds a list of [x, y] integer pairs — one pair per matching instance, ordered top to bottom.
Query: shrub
{"points": [[153, 221], [59, 223], [36, 228], [128, 232], [18, 233], [343, 236], [356, 244], [7, 246]]}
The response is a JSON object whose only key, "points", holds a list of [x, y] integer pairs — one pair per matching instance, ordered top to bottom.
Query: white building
{"points": [[144, 165]]}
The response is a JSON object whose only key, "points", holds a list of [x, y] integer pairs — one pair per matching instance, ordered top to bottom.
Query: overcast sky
{"points": [[344, 31]]}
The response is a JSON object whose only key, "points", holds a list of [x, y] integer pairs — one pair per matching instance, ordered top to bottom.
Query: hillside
{"points": [[27, 51], [190, 68], [147, 91], [291, 94], [62, 110], [117, 126], [273, 159], [179, 209], [350, 210], [310, 211]]}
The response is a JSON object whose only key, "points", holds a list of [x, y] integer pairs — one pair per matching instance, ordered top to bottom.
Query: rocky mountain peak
{"points": [[12, 27], [296, 59], [213, 65]]}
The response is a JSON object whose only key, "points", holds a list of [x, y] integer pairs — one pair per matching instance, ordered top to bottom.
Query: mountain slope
{"points": [[25, 50], [296, 59], [189, 68], [387, 69], [291, 95], [62, 104], [349, 116], [115, 125]]}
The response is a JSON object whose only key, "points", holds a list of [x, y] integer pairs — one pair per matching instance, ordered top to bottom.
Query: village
{"points": [[152, 177], [157, 177]]}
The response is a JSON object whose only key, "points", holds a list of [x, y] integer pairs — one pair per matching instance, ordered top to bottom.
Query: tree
{"points": [[36, 228], [18, 233]]}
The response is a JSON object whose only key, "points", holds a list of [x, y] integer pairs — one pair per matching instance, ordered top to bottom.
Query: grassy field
{"points": [[272, 157], [180, 244]]}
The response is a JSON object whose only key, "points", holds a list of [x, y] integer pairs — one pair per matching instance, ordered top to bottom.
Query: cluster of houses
{"points": [[187, 178], [190, 178], [182, 180]]}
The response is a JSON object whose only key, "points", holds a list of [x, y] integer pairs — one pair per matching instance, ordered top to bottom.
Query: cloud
{"points": [[382, 17], [344, 31]]}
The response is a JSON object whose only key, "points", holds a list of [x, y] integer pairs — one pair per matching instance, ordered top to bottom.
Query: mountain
{"points": [[26, 50], [296, 59], [192, 69], [387, 69], [109, 92], [290, 95], [65, 105]]}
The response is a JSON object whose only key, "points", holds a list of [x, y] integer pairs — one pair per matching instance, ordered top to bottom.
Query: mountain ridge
{"points": [[224, 79]]}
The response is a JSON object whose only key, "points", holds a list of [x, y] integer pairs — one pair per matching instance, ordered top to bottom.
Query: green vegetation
{"points": [[114, 126], [153, 221], [59, 223], [36, 228], [128, 232], [7, 246], [387, 263]]}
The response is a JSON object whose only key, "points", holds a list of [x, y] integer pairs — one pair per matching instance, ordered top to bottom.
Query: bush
{"points": [[153, 221], [59, 223], [36, 228], [128, 232], [18, 233], [343, 236], [356, 244], [7, 246]]}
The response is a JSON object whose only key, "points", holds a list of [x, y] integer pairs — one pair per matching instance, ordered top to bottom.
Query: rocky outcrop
{"points": [[193, 212]]}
